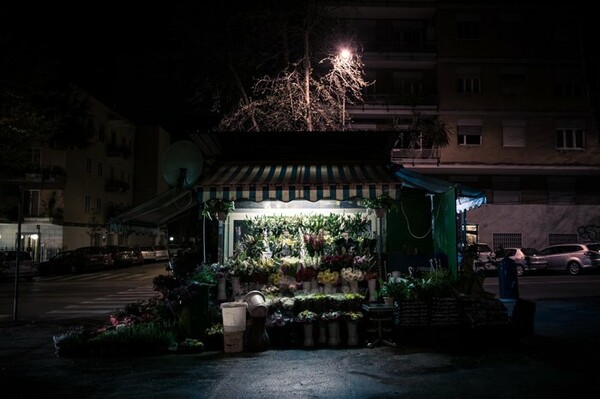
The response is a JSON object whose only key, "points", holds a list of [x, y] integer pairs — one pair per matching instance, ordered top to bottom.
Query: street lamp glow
{"points": [[345, 54]]}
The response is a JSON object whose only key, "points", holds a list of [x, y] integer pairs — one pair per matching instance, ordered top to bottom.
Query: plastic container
{"points": [[256, 304], [234, 316], [233, 342]]}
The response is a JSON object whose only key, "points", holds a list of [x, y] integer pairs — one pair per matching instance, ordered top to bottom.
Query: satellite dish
{"points": [[182, 164]]}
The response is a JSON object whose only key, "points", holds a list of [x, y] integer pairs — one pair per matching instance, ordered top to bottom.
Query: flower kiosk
{"points": [[310, 228]]}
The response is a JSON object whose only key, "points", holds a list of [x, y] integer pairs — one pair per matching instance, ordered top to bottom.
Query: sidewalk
{"points": [[559, 360]]}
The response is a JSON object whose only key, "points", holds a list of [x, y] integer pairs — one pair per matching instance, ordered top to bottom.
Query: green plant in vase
{"points": [[217, 207]]}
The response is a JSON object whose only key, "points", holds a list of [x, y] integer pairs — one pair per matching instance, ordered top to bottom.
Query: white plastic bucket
{"points": [[234, 316], [233, 342]]}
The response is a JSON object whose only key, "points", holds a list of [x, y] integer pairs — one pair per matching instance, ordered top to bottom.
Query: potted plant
{"points": [[380, 204], [217, 207]]}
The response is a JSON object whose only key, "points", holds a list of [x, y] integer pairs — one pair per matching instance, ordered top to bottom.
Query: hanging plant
{"points": [[381, 202], [217, 207]]}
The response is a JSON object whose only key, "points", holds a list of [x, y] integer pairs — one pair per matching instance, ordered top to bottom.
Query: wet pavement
{"points": [[559, 360]]}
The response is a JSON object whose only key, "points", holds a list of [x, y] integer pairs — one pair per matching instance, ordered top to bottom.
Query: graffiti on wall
{"points": [[589, 232]]}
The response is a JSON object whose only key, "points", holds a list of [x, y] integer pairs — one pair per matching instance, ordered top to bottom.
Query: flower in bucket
{"points": [[349, 274], [328, 277], [306, 316], [331, 316], [353, 316]]}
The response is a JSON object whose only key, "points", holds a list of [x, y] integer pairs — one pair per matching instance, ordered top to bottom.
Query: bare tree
{"points": [[296, 101]]}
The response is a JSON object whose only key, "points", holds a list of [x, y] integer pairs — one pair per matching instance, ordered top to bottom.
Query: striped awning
{"points": [[312, 182]]}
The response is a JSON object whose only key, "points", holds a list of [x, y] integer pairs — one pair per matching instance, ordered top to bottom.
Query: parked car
{"points": [[161, 252], [148, 253], [125, 256], [484, 257], [92, 258], [573, 258], [526, 259], [64, 262], [8, 265]]}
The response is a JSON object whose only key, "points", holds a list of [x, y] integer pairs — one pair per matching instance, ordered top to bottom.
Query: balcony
{"points": [[402, 99], [415, 156], [114, 185]]}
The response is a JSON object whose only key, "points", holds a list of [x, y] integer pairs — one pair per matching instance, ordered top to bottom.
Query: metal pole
{"points": [[344, 112], [17, 260]]}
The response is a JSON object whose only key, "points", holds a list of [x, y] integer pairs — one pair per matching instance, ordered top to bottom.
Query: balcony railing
{"points": [[381, 46], [401, 99], [410, 155]]}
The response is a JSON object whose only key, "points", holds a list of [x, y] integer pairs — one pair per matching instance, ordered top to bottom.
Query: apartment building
{"points": [[506, 82], [70, 202]]}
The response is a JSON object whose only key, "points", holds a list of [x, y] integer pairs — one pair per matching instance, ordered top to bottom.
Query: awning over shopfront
{"points": [[289, 182], [466, 197], [157, 211]]}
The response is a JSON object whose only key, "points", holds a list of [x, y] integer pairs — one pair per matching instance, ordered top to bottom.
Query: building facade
{"points": [[508, 83], [70, 202]]}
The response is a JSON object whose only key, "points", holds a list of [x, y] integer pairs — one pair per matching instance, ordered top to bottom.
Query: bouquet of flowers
{"points": [[314, 243], [349, 274], [328, 277], [306, 316], [331, 316], [353, 316]]}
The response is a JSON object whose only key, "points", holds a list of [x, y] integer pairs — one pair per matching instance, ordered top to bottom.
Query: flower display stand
{"points": [[352, 328], [322, 333], [333, 333], [308, 335]]}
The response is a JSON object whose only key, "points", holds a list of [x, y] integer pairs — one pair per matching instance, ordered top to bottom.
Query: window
{"points": [[468, 27], [512, 81], [568, 82], [408, 83], [469, 84], [469, 132], [513, 133], [569, 139], [88, 165], [99, 169], [111, 172], [32, 203], [88, 204], [99, 206], [556, 239], [507, 240]]}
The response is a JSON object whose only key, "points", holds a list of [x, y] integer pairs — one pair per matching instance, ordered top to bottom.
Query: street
{"points": [[95, 295]]}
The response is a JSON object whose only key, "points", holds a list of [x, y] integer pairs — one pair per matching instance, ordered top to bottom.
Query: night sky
{"points": [[148, 60]]}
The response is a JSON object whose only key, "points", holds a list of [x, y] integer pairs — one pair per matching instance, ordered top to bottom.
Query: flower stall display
{"points": [[328, 279]]}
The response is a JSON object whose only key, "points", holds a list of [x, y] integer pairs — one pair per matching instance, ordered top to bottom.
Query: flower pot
{"points": [[328, 288], [388, 300], [352, 328], [322, 333], [333, 333], [308, 335]]}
